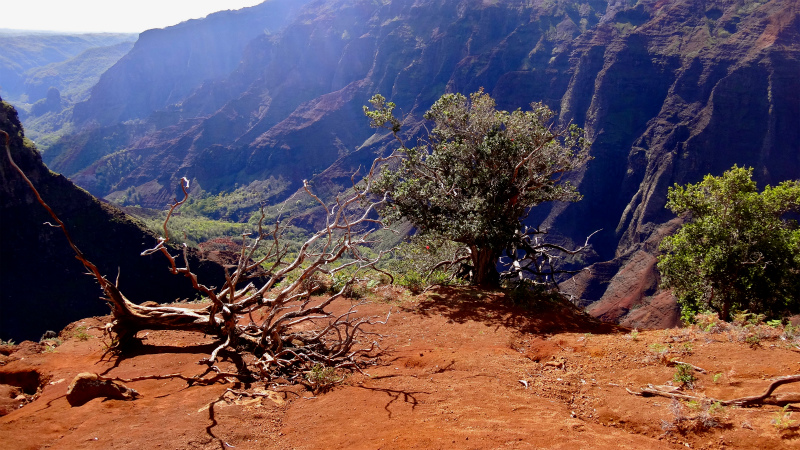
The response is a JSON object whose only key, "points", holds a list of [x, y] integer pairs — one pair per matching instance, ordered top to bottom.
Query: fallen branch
{"points": [[672, 363], [767, 398]]}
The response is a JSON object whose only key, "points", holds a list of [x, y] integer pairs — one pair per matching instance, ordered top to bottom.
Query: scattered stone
{"points": [[49, 334], [87, 386], [10, 399]]}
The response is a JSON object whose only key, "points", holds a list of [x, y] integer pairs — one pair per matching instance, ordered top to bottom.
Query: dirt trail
{"points": [[462, 369]]}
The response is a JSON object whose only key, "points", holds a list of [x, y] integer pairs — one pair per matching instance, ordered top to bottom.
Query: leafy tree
{"points": [[474, 178], [739, 250]]}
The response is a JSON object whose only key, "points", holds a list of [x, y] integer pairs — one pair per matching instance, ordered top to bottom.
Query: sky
{"points": [[116, 16]]}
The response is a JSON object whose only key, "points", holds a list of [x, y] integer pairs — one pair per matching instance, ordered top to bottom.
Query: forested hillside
{"points": [[21, 52]]}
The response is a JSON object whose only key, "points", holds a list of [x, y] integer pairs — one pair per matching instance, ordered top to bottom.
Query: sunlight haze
{"points": [[109, 16]]}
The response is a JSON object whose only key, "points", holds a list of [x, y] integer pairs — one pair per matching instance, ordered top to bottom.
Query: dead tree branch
{"points": [[536, 261], [289, 331], [673, 363], [766, 398]]}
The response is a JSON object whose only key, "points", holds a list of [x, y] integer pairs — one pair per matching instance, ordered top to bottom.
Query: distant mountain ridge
{"points": [[24, 51], [165, 65], [74, 77], [667, 91]]}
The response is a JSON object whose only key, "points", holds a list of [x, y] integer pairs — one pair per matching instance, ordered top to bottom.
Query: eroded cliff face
{"points": [[165, 65], [667, 91], [728, 94], [43, 286]]}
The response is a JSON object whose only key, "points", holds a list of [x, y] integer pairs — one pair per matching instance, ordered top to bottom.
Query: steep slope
{"points": [[166, 64], [667, 91], [734, 99], [294, 105], [42, 285]]}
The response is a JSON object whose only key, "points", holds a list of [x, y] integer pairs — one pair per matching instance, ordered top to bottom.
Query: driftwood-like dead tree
{"points": [[530, 259], [534, 259], [285, 330], [768, 397]]}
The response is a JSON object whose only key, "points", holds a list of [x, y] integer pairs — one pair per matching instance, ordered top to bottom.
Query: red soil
{"points": [[454, 375]]}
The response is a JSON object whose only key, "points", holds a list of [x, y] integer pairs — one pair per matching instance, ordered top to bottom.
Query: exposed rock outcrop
{"points": [[89, 386]]}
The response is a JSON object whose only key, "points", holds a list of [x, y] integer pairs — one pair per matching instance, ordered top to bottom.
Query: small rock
{"points": [[49, 334], [87, 386]]}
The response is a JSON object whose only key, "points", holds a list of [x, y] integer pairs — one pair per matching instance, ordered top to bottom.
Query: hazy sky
{"points": [[108, 15]]}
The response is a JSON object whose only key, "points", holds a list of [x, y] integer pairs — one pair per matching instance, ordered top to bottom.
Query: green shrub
{"points": [[739, 249], [416, 259], [412, 281], [708, 322], [775, 323], [81, 334], [659, 351], [684, 374], [322, 379], [783, 419]]}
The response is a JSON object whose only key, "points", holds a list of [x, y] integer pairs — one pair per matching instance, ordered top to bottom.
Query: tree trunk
{"points": [[485, 263]]}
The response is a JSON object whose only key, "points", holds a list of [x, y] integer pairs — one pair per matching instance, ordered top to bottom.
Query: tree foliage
{"points": [[474, 178], [740, 250]]}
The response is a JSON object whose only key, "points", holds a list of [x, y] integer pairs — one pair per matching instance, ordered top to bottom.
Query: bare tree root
{"points": [[285, 330], [767, 398]]}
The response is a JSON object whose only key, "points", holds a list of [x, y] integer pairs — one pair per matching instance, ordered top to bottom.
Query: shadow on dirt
{"points": [[493, 308], [136, 348], [396, 395]]}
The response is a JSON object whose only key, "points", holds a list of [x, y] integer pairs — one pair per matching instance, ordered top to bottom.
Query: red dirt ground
{"points": [[453, 376]]}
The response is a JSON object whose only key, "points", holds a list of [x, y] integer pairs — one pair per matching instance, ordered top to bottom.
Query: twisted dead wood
{"points": [[295, 332], [766, 398]]}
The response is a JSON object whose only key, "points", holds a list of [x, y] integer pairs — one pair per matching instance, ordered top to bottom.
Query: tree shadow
{"points": [[494, 308], [137, 348], [396, 395]]}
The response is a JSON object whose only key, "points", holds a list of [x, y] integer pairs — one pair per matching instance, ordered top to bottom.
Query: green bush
{"points": [[738, 251], [413, 262], [412, 281], [684, 374], [322, 379]]}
